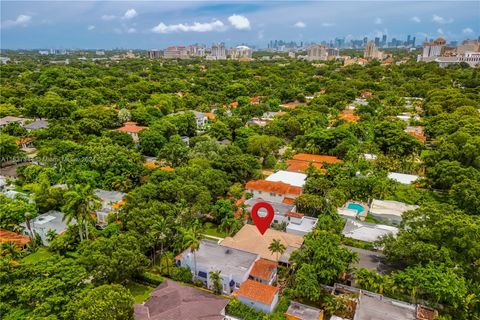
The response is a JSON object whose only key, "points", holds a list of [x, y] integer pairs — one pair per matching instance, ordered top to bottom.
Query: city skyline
{"points": [[145, 25]]}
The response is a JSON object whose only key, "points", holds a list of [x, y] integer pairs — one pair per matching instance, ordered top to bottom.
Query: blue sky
{"points": [[157, 24]]}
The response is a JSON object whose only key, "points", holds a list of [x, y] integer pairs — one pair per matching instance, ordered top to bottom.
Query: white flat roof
{"points": [[402, 177], [292, 178], [389, 207], [367, 232]]}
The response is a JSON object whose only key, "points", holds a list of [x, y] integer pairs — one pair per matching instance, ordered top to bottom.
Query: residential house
{"points": [[201, 118], [10, 119], [37, 124], [133, 129], [416, 132], [25, 143], [302, 161], [402, 177], [292, 178], [272, 191], [110, 201], [389, 211], [285, 212], [42, 224], [367, 232], [13, 237], [249, 239], [234, 264], [264, 271], [259, 296], [175, 301], [368, 305], [298, 311]]}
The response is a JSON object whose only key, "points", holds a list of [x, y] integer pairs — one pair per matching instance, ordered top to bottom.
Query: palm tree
{"points": [[80, 203], [161, 231], [51, 235], [192, 238], [277, 247], [11, 249], [216, 281]]}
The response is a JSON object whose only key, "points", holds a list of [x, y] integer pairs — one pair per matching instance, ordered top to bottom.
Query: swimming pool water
{"points": [[356, 207]]}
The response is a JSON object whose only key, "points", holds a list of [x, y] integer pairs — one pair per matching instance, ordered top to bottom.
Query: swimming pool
{"points": [[357, 207]]}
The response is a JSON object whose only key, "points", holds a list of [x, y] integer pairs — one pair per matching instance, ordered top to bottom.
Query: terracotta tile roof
{"points": [[366, 94], [255, 100], [234, 104], [291, 105], [210, 115], [349, 116], [130, 123], [131, 127], [417, 132], [23, 140], [316, 158], [301, 166], [167, 168], [273, 187], [287, 200], [118, 204], [294, 214], [15, 238], [251, 240], [263, 269], [257, 291]]}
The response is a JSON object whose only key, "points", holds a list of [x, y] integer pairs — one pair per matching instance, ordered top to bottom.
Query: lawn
{"points": [[212, 230], [41, 254], [139, 292]]}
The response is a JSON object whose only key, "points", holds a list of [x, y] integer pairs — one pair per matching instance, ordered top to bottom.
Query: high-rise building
{"points": [[384, 40], [408, 40], [365, 41], [377, 41], [413, 41], [432, 50], [176, 52], [218, 52], [241, 52], [317, 52], [371, 52], [154, 54]]}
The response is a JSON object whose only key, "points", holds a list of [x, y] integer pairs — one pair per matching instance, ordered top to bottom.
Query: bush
{"points": [[182, 275], [149, 278], [238, 309]]}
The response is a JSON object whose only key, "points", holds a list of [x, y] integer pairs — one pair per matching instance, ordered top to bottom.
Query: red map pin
{"points": [[262, 223]]}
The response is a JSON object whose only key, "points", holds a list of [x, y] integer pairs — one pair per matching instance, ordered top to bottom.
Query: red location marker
{"points": [[262, 223]]}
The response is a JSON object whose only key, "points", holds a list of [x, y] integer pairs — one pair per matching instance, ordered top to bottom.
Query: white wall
{"points": [[258, 305]]}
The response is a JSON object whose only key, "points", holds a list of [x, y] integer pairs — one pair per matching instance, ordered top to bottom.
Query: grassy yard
{"points": [[212, 230], [41, 254], [139, 292]]}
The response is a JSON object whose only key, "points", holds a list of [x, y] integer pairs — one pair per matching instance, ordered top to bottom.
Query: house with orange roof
{"points": [[255, 100], [292, 105], [210, 115], [348, 116], [133, 129], [416, 132], [25, 142], [301, 162], [274, 191], [110, 201], [13, 237], [249, 239], [264, 271], [259, 296]]}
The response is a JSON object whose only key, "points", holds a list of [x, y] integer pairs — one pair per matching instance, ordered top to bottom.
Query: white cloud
{"points": [[130, 13], [108, 17], [416, 19], [441, 20], [22, 21], [378, 21], [239, 22], [300, 24], [327, 24], [216, 25], [91, 27], [131, 30], [440, 31], [467, 31], [260, 34]]}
